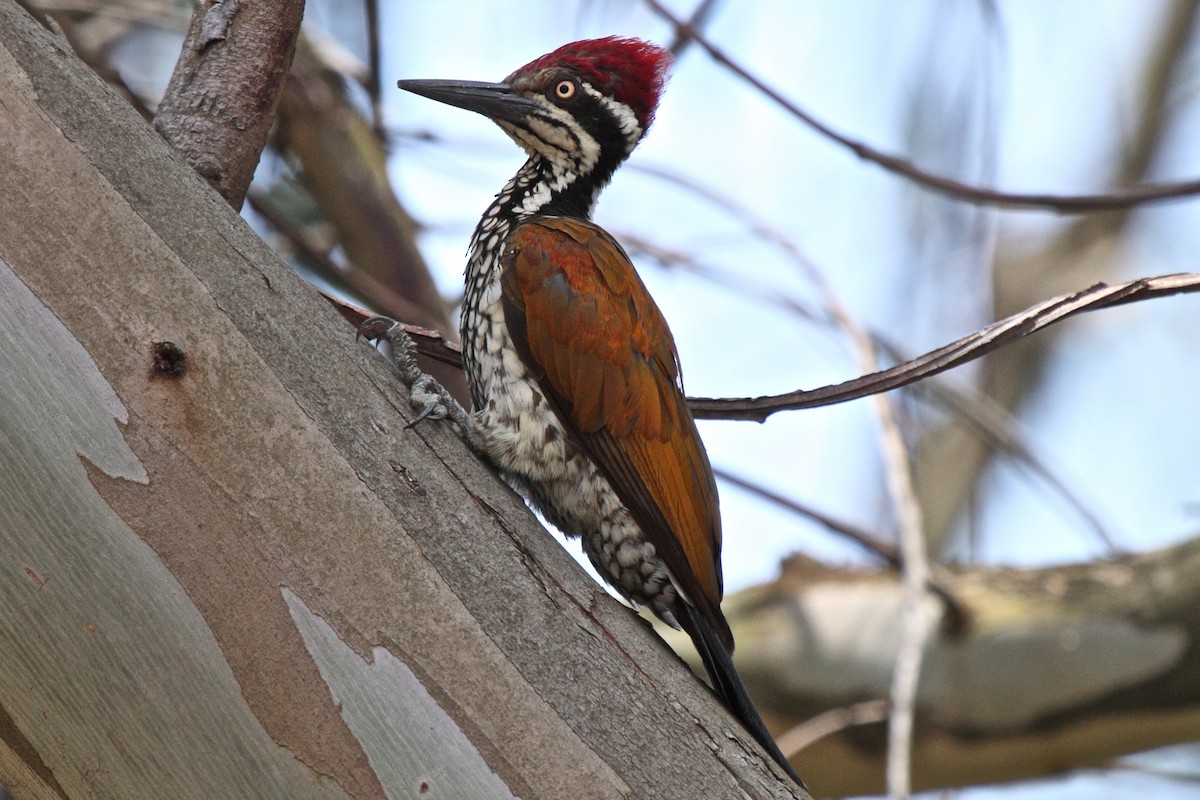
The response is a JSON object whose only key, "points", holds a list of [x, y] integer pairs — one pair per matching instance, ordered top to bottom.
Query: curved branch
{"points": [[959, 352]]}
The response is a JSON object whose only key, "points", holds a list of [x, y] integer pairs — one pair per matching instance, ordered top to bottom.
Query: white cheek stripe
{"points": [[626, 119]]}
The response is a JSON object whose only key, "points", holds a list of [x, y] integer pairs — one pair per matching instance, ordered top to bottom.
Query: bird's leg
{"points": [[429, 398]]}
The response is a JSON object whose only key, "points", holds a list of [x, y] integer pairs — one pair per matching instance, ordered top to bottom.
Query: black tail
{"points": [[728, 684]]}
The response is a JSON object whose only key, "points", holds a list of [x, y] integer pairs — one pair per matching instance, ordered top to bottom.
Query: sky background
{"points": [[1024, 95]]}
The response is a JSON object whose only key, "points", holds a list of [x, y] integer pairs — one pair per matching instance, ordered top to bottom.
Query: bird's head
{"points": [[580, 109]]}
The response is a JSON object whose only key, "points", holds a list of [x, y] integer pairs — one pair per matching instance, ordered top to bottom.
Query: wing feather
{"points": [[584, 324]]}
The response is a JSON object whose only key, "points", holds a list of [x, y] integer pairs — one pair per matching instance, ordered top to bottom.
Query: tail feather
{"points": [[728, 684]]}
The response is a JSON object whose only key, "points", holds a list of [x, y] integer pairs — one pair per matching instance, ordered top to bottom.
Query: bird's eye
{"points": [[564, 90]]}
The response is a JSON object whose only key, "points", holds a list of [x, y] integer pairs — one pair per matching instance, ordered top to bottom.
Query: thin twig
{"points": [[696, 22], [374, 84], [1063, 204], [961, 351], [870, 542], [916, 619], [830, 722]]}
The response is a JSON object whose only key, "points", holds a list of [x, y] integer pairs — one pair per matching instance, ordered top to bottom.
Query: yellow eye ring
{"points": [[564, 90]]}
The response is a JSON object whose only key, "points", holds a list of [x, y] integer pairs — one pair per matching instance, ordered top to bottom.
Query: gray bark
{"points": [[220, 103]]}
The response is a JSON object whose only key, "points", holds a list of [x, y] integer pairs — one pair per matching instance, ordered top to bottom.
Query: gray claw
{"points": [[428, 397]]}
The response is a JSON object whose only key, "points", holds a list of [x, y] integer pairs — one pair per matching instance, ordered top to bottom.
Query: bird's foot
{"points": [[428, 398]]}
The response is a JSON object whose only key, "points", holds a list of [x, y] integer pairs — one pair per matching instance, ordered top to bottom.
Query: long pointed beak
{"points": [[493, 100]]}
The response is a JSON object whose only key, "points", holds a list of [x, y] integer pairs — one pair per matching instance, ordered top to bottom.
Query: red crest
{"points": [[630, 71]]}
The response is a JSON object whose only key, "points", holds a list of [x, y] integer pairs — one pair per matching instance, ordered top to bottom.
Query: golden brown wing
{"points": [[582, 320]]}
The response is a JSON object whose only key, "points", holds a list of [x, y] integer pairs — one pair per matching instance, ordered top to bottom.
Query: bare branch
{"points": [[697, 21], [374, 89], [221, 133], [1063, 204], [968, 348], [957, 353], [916, 620], [830, 722]]}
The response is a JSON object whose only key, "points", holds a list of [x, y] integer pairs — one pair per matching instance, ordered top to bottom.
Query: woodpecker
{"points": [[574, 375]]}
